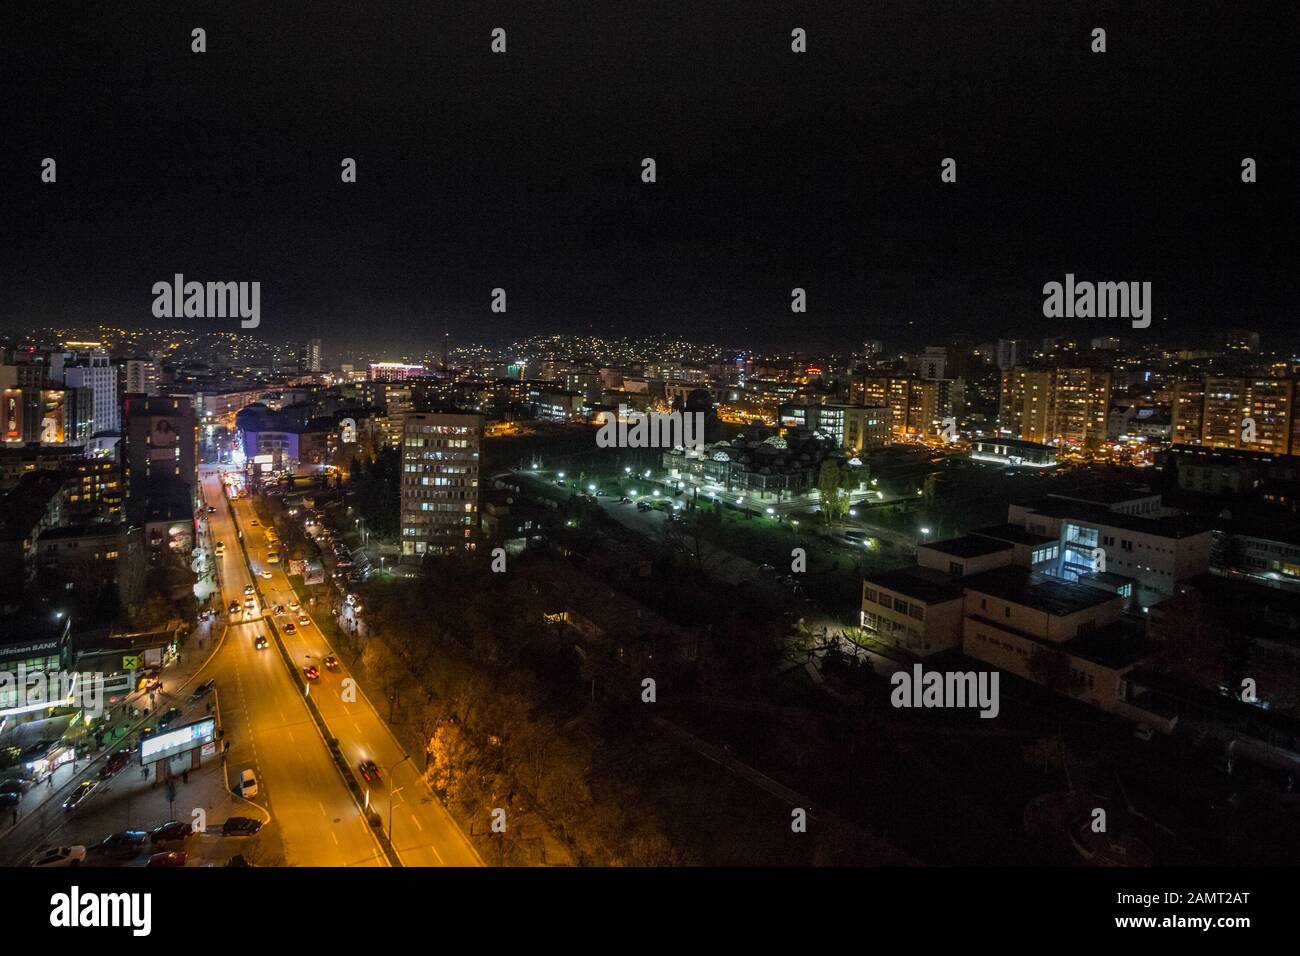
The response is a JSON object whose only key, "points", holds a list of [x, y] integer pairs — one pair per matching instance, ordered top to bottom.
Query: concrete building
{"points": [[94, 371], [440, 481]]}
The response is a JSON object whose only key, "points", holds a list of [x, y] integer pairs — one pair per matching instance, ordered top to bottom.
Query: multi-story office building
{"points": [[94, 371], [394, 371], [854, 428], [440, 481]]}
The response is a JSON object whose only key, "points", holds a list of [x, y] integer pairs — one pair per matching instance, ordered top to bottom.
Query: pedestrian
{"points": [[185, 775], [15, 816]]}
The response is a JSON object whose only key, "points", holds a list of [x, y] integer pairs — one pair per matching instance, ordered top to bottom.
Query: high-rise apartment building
{"points": [[309, 356], [1066, 406], [160, 451], [440, 481]]}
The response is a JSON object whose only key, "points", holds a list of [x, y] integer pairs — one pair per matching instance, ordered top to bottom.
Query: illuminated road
{"points": [[272, 732], [424, 832]]}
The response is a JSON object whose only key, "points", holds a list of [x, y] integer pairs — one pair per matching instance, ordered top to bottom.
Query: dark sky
{"points": [[775, 170]]}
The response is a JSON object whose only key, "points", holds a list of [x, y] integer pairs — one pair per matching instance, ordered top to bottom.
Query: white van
{"points": [[248, 784]]}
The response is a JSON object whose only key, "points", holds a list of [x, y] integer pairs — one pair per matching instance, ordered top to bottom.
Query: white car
{"points": [[266, 573], [248, 589], [294, 605], [304, 620], [248, 784], [60, 856]]}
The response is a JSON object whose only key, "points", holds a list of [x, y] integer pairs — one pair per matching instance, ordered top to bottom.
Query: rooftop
{"points": [[1013, 534], [968, 546], [922, 584], [1038, 591], [1115, 645]]}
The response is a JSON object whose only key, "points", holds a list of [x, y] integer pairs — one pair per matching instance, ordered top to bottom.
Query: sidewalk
{"points": [[195, 652]]}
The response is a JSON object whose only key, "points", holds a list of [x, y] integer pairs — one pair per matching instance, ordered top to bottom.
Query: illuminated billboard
{"points": [[12, 421], [177, 740]]}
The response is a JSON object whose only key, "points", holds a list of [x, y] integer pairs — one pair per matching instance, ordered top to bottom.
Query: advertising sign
{"points": [[177, 740]]}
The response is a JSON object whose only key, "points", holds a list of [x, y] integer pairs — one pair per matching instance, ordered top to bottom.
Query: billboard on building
{"points": [[13, 415], [163, 439], [177, 740]]}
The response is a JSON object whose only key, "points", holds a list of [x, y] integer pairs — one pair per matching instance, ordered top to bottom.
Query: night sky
{"points": [[775, 170]]}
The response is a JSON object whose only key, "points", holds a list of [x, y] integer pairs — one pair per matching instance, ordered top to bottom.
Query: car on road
{"points": [[642, 506], [212, 509], [253, 522], [219, 549], [766, 568], [265, 573], [248, 589], [249, 604], [294, 605], [234, 607], [304, 620], [290, 628], [260, 642], [331, 662], [310, 672], [203, 690], [169, 717], [1143, 732], [115, 764], [369, 770], [248, 784], [16, 785], [78, 796], [9, 799], [240, 826], [171, 831], [124, 845], [59, 856], [167, 858]]}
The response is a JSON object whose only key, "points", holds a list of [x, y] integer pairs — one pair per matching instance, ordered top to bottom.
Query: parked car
{"points": [[203, 690], [1143, 732], [248, 784], [16, 785], [8, 800], [240, 826], [171, 831], [123, 845], [59, 856], [167, 858]]}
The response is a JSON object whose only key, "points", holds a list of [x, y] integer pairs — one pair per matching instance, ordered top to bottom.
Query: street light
{"points": [[392, 794]]}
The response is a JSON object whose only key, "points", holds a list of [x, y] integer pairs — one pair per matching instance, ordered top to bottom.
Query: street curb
{"points": [[331, 742]]}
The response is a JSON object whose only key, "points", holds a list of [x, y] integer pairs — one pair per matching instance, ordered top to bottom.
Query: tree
{"points": [[833, 482]]}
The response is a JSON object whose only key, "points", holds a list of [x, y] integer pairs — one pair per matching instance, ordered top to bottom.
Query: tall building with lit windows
{"points": [[1055, 406], [440, 481]]}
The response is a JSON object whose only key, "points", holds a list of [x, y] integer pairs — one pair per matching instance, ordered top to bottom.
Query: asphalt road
{"points": [[271, 730], [423, 832]]}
